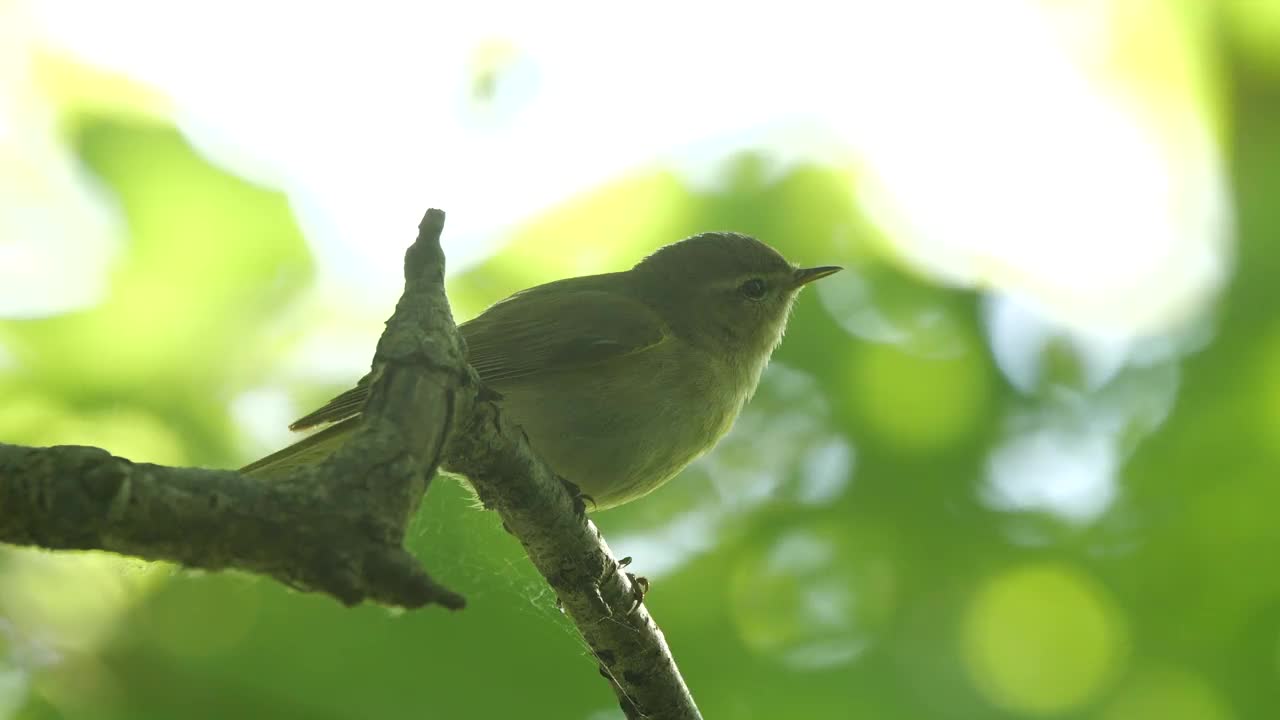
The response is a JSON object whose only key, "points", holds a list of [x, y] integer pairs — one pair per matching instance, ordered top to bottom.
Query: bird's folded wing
{"points": [[546, 329], [550, 329], [346, 405]]}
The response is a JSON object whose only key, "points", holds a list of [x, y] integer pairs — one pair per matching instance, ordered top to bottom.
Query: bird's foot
{"points": [[489, 394], [580, 499], [612, 568], [639, 583], [639, 588]]}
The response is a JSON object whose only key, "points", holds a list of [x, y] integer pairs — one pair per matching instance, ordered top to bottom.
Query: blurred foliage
{"points": [[207, 254], [835, 557]]}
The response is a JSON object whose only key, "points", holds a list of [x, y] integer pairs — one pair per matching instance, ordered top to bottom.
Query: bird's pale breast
{"points": [[621, 429]]}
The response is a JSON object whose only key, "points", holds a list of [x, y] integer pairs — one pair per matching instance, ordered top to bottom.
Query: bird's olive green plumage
{"points": [[619, 380]]}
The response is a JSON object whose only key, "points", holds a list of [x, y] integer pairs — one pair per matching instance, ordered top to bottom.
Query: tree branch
{"points": [[339, 527], [600, 598]]}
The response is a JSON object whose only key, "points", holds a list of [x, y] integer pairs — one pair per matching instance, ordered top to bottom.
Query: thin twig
{"points": [[595, 592]]}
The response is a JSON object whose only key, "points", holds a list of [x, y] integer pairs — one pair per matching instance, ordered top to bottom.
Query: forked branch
{"points": [[339, 527]]}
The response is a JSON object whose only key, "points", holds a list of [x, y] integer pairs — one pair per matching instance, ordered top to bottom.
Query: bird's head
{"points": [[724, 290]]}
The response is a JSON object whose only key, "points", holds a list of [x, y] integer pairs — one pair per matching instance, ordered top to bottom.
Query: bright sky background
{"points": [[970, 123], [1061, 155]]}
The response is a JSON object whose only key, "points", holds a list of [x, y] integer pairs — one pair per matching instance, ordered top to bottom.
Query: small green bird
{"points": [[619, 380]]}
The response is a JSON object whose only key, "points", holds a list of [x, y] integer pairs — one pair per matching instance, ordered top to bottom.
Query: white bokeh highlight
{"points": [[987, 143], [59, 235]]}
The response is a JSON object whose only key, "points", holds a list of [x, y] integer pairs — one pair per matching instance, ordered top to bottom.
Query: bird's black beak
{"points": [[804, 276]]}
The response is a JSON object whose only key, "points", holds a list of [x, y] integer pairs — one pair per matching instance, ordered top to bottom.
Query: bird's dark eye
{"points": [[753, 288]]}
